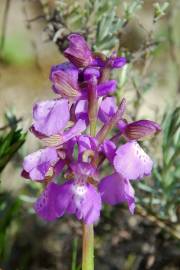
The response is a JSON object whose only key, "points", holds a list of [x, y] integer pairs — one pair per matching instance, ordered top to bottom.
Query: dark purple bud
{"points": [[78, 51], [100, 60], [118, 62], [91, 72], [106, 88], [92, 98], [107, 109], [106, 129], [140, 129]]}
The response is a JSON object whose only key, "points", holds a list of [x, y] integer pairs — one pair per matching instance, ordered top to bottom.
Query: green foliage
{"points": [[132, 7], [160, 10], [98, 20], [17, 50], [11, 140], [163, 197], [9, 220]]}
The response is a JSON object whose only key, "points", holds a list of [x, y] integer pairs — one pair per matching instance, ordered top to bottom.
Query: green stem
{"points": [[93, 105], [93, 127], [88, 230], [88, 247], [74, 254]]}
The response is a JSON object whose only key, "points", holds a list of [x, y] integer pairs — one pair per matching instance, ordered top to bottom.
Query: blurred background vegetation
{"points": [[32, 38]]}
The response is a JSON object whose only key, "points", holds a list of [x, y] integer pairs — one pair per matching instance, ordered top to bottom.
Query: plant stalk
{"points": [[88, 230], [88, 247]]}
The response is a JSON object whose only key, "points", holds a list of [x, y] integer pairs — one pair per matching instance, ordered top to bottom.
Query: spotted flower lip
{"points": [[139, 130], [132, 162], [116, 189], [70, 198], [46, 205]]}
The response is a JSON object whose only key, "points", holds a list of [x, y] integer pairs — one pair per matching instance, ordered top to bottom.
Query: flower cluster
{"points": [[73, 150]]}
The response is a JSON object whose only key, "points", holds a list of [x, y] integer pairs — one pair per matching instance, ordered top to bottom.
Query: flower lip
{"points": [[132, 162], [116, 189], [79, 190], [69, 198]]}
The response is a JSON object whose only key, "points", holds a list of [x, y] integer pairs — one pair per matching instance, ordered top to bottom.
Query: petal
{"points": [[78, 51], [118, 62], [66, 67], [91, 72], [65, 80], [106, 88], [107, 109], [81, 110], [51, 117], [140, 129], [76, 130], [86, 143], [68, 147], [109, 149], [132, 162], [37, 164], [59, 166], [82, 169], [115, 189], [82, 200], [65, 202], [88, 203], [46, 206], [91, 206]]}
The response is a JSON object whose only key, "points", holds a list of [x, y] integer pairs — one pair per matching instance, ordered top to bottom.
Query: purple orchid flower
{"points": [[78, 51], [80, 54], [65, 82], [51, 118], [130, 163], [37, 165], [74, 197]]}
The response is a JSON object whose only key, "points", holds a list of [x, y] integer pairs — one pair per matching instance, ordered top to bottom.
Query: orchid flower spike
{"points": [[70, 152]]}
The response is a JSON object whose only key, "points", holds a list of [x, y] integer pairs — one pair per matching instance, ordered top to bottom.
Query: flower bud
{"points": [[140, 129]]}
